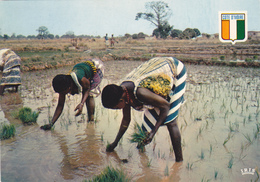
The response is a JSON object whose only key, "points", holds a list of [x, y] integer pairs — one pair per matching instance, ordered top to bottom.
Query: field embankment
{"points": [[44, 54]]}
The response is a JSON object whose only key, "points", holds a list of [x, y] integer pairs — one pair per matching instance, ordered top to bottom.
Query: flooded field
{"points": [[219, 124]]}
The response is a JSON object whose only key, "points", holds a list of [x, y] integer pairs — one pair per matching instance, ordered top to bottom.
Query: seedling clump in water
{"points": [[27, 116], [7, 131], [138, 137]]}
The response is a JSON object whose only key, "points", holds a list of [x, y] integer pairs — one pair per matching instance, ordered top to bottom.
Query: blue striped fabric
{"points": [[176, 99]]}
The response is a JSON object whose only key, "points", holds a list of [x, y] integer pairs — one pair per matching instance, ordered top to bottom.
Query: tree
{"points": [[157, 12], [162, 31], [42, 32], [197, 32], [175, 33], [188, 33], [70, 34], [127, 35], [141, 35], [13, 36], [20, 36], [6, 37]]}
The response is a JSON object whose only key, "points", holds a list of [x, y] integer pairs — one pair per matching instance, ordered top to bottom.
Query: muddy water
{"points": [[218, 123]]}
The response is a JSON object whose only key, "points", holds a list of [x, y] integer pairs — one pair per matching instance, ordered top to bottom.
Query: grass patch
{"points": [[27, 116], [7, 131], [110, 175]]}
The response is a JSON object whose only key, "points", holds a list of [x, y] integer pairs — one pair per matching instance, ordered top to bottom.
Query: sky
{"points": [[98, 17]]}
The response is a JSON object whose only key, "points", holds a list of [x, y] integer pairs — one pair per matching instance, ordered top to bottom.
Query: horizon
{"points": [[96, 18]]}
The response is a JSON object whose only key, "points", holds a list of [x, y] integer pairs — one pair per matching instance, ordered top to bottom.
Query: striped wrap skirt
{"points": [[10, 63], [176, 98]]}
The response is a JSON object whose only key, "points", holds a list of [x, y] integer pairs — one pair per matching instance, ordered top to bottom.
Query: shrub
{"points": [[222, 57], [248, 60], [27, 116], [7, 131], [110, 174]]}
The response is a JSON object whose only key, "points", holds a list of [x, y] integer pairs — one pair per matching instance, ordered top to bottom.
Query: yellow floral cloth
{"points": [[158, 83]]}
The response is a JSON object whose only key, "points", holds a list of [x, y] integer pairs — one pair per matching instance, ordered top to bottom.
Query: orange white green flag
{"points": [[233, 26]]}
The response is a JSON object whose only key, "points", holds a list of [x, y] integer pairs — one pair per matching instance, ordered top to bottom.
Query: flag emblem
{"points": [[233, 27]]}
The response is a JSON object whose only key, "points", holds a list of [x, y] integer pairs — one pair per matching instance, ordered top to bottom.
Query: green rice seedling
{"points": [[212, 115], [27, 116], [257, 130], [7, 131], [200, 131], [102, 136], [138, 136], [228, 138], [250, 141], [210, 149], [130, 154], [202, 155], [231, 162], [149, 163], [189, 166], [166, 171], [110, 174], [215, 174], [257, 174], [204, 179]]}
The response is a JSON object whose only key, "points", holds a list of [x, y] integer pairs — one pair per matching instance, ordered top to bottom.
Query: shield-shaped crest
{"points": [[233, 26]]}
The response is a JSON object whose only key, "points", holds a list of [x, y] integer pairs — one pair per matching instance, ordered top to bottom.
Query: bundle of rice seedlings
{"points": [[27, 116], [7, 131], [138, 137], [110, 175]]}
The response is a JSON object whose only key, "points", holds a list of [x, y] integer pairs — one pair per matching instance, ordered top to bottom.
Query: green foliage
{"points": [[157, 12], [163, 31], [197, 32], [175, 33], [188, 33], [222, 57], [248, 60], [27, 116], [7, 131], [138, 136], [110, 175]]}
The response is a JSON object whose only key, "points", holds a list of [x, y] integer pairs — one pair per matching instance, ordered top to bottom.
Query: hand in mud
{"points": [[79, 108], [46, 127], [110, 147]]}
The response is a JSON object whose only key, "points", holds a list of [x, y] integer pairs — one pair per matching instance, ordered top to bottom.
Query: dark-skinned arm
{"points": [[85, 83], [150, 98], [57, 112], [123, 127]]}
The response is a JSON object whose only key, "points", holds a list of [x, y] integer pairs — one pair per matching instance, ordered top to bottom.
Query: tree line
{"points": [[157, 13], [43, 33]]}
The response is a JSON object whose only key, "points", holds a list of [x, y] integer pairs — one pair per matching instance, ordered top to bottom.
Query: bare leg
{"points": [[16, 88], [2, 89], [91, 108], [176, 139]]}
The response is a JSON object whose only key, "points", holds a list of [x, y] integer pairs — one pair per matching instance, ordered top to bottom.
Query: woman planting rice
{"points": [[10, 65], [84, 77], [157, 87]]}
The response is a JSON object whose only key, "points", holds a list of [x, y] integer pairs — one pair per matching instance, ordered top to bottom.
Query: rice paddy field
{"points": [[219, 124]]}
